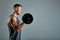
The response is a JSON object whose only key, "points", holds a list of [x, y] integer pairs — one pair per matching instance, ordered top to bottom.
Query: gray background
{"points": [[46, 24]]}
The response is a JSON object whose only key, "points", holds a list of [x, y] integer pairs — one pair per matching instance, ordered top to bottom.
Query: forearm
{"points": [[18, 27]]}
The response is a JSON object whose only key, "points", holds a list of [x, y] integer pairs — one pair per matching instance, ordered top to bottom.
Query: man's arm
{"points": [[13, 23]]}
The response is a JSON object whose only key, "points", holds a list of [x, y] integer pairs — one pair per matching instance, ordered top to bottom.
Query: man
{"points": [[14, 24]]}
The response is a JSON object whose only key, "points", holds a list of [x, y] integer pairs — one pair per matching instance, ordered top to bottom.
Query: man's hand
{"points": [[22, 23], [20, 26]]}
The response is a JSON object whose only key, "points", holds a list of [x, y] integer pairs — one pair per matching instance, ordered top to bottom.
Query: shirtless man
{"points": [[14, 24]]}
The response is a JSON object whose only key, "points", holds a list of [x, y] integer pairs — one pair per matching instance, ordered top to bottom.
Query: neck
{"points": [[15, 14]]}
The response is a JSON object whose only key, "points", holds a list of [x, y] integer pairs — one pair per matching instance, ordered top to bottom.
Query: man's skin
{"points": [[13, 23]]}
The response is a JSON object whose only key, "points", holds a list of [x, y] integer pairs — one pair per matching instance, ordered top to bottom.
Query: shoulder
{"points": [[11, 18]]}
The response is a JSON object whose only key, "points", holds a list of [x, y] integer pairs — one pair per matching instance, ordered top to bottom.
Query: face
{"points": [[18, 10]]}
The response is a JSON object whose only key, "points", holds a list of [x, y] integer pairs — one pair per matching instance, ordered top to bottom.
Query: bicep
{"points": [[12, 22]]}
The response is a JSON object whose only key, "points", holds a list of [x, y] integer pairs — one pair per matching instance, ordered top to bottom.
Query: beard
{"points": [[18, 13]]}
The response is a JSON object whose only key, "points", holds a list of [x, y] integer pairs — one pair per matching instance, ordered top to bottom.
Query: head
{"points": [[17, 8]]}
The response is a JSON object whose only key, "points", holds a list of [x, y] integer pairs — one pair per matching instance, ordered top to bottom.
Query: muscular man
{"points": [[13, 23]]}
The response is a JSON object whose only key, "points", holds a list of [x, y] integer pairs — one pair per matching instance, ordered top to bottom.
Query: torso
{"points": [[13, 35]]}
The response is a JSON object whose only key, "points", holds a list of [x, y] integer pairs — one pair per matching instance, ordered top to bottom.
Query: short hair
{"points": [[16, 5]]}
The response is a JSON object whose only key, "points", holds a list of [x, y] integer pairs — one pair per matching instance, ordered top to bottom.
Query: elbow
{"points": [[16, 30]]}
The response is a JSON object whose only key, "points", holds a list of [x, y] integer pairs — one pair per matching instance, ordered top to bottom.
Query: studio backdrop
{"points": [[46, 19]]}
